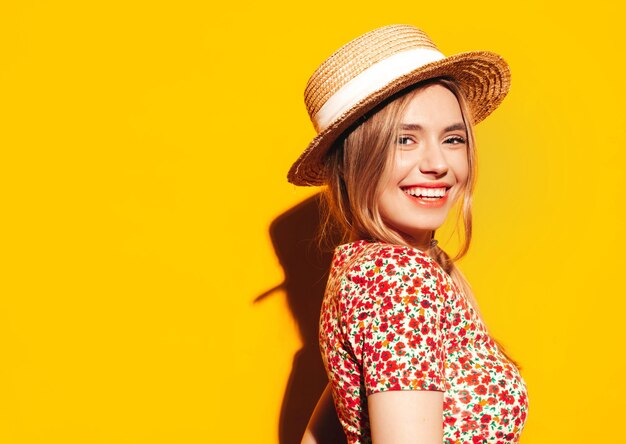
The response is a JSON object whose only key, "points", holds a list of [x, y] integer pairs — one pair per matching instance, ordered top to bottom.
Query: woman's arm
{"points": [[406, 416], [324, 426]]}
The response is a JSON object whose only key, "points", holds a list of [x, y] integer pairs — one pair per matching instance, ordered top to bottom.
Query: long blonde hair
{"points": [[358, 162]]}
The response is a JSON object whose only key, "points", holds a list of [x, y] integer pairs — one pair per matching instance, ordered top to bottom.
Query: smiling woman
{"points": [[429, 167], [406, 351]]}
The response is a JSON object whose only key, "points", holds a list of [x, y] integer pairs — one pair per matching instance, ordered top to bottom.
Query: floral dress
{"points": [[392, 319]]}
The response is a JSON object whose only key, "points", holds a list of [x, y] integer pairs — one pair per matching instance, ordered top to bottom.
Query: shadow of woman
{"points": [[294, 236]]}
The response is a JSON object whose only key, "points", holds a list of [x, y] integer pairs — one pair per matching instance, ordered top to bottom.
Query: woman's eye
{"points": [[405, 140], [455, 140]]}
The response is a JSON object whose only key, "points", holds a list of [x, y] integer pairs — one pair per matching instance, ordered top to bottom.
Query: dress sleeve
{"points": [[396, 328]]}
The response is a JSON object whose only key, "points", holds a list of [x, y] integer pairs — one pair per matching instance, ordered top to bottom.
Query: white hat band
{"points": [[371, 80]]}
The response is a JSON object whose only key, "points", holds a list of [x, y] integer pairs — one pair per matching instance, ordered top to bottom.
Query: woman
{"points": [[407, 354]]}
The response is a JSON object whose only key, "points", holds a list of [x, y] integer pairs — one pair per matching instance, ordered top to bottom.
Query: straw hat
{"points": [[373, 67]]}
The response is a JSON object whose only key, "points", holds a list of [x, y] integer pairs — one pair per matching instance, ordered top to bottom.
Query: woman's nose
{"points": [[433, 159]]}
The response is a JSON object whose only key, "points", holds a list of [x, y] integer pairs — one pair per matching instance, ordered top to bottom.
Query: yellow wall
{"points": [[144, 148]]}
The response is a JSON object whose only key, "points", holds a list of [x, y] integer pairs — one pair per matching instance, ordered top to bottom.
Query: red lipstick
{"points": [[425, 201]]}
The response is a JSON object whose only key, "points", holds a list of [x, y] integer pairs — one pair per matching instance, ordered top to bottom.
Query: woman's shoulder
{"points": [[364, 253], [365, 265], [391, 277]]}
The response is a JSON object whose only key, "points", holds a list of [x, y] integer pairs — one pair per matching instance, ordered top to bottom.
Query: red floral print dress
{"points": [[392, 319]]}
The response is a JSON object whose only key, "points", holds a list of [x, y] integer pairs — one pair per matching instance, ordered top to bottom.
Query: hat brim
{"points": [[483, 76]]}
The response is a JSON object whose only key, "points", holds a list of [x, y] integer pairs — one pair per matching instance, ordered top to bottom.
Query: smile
{"points": [[426, 192], [428, 197]]}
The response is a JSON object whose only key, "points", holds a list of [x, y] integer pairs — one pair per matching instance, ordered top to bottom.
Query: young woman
{"points": [[408, 356]]}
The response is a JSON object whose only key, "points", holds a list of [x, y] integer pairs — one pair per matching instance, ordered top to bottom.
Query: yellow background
{"points": [[144, 148]]}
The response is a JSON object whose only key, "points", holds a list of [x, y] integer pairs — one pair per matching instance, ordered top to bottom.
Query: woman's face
{"points": [[429, 166]]}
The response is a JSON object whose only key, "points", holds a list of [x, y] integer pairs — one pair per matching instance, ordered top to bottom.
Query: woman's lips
{"points": [[428, 202]]}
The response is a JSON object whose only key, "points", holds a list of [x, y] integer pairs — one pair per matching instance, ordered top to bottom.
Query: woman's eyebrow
{"points": [[456, 126], [416, 127]]}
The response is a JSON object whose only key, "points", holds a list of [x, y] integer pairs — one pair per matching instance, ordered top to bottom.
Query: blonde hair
{"points": [[357, 165]]}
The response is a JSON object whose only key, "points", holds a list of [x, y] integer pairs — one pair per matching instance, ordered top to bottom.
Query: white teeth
{"points": [[426, 192]]}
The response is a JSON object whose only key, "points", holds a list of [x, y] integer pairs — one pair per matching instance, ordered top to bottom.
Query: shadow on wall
{"points": [[295, 238]]}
